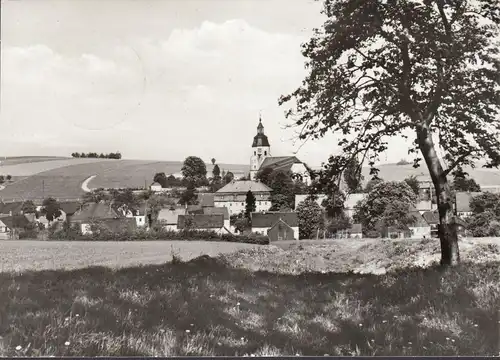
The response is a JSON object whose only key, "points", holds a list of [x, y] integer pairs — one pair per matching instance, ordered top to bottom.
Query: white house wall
{"points": [[236, 207], [420, 232]]}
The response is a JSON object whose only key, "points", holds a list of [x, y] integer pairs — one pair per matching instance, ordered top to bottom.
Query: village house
{"points": [[261, 158], [156, 187], [233, 196], [206, 199], [349, 204], [11, 208], [219, 211], [102, 214], [140, 214], [168, 218], [432, 218], [203, 222], [11, 225], [277, 225], [418, 229], [4, 230], [355, 231]]}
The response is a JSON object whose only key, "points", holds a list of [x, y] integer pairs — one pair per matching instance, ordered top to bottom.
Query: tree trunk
{"points": [[447, 226]]}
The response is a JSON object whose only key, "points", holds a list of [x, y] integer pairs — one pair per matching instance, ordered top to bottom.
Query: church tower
{"points": [[260, 150]]}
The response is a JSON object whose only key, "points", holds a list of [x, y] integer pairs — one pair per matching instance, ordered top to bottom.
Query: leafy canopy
{"points": [[427, 68]]}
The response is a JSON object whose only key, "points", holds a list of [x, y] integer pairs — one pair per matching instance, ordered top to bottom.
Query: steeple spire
{"points": [[260, 127]]}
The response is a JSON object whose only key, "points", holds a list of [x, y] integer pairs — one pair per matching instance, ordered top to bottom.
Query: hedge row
{"points": [[152, 234]]}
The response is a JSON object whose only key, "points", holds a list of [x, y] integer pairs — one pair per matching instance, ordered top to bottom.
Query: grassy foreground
{"points": [[205, 307]]}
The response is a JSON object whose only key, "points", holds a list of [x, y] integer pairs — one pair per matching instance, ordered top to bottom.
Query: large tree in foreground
{"points": [[427, 69]]}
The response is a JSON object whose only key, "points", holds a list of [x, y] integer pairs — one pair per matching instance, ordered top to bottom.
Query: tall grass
{"points": [[205, 307]]}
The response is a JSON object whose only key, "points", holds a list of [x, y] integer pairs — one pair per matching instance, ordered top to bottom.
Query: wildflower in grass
{"points": [[237, 304], [77, 315], [384, 321], [191, 324], [360, 325], [476, 325], [188, 331], [447, 339], [452, 340], [66, 343], [409, 343], [219, 344], [18, 347]]}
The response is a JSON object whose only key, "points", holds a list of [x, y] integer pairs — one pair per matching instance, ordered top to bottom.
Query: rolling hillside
{"points": [[62, 179]]}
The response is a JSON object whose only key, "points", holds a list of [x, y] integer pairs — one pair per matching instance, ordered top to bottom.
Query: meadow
{"points": [[62, 179], [208, 306]]}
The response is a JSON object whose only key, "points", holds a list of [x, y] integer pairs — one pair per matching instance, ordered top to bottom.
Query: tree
{"points": [[399, 68], [213, 161], [403, 162], [194, 170], [216, 171], [265, 175], [9, 177], [228, 177], [353, 177], [2, 179], [161, 179], [413, 182], [462, 183], [282, 184], [371, 184], [96, 196], [189, 196], [125, 199], [280, 202], [486, 202], [388, 203], [250, 206], [28, 207], [51, 209], [310, 217], [240, 222], [338, 223]]}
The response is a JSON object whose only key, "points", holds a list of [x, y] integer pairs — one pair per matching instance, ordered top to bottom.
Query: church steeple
{"points": [[260, 127], [260, 150]]}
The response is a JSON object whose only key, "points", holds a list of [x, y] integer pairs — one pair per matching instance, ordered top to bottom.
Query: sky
{"points": [[155, 79]]}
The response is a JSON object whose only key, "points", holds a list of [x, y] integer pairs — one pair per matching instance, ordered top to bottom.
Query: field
{"points": [[14, 160], [62, 179], [45, 255], [209, 307]]}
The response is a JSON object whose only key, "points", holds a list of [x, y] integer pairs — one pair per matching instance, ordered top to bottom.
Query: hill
{"points": [[62, 179]]}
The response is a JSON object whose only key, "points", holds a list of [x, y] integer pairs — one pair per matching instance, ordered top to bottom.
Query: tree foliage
{"points": [[426, 69], [194, 170], [353, 177], [161, 179], [413, 182], [461, 182], [371, 183], [189, 197], [250, 204], [387, 204], [28, 207], [51, 209], [311, 218]]}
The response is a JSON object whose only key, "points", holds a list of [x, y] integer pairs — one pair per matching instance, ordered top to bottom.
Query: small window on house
{"points": [[255, 152], [265, 152], [242, 204]]}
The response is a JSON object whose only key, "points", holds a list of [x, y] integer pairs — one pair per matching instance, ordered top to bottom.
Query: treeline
{"points": [[94, 155]]}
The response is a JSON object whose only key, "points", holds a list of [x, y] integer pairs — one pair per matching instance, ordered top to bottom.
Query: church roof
{"points": [[260, 139], [283, 163], [243, 186]]}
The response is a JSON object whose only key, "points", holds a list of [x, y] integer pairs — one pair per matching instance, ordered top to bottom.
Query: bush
{"points": [[72, 233], [28, 234]]}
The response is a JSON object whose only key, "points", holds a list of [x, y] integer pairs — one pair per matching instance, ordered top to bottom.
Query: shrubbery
{"points": [[72, 233]]}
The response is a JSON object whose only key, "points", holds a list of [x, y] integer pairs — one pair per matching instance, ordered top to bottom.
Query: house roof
{"points": [[280, 162], [156, 184], [242, 187], [206, 199], [462, 200], [15, 207], [70, 207], [195, 209], [95, 211], [217, 211], [169, 216], [432, 217], [268, 219], [20, 220], [201, 221], [279, 222], [3, 224], [356, 229]]}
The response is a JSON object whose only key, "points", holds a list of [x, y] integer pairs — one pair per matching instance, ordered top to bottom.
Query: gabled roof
{"points": [[283, 163], [242, 187], [206, 199], [463, 200], [15, 207], [70, 207], [195, 209], [95, 211], [217, 211], [169, 216], [432, 217], [268, 219], [20, 220], [201, 221], [277, 223]]}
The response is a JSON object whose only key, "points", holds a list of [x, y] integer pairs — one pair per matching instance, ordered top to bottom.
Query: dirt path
{"points": [[85, 184], [42, 255]]}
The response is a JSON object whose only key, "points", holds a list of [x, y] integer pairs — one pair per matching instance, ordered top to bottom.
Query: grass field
{"points": [[14, 160], [63, 178], [45, 255], [208, 307]]}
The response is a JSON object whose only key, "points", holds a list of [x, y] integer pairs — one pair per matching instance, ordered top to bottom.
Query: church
{"points": [[261, 158]]}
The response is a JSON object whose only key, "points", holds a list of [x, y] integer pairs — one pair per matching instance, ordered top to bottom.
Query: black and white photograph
{"points": [[249, 178]]}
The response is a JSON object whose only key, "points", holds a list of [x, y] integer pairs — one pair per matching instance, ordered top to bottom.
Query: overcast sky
{"points": [[154, 79]]}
